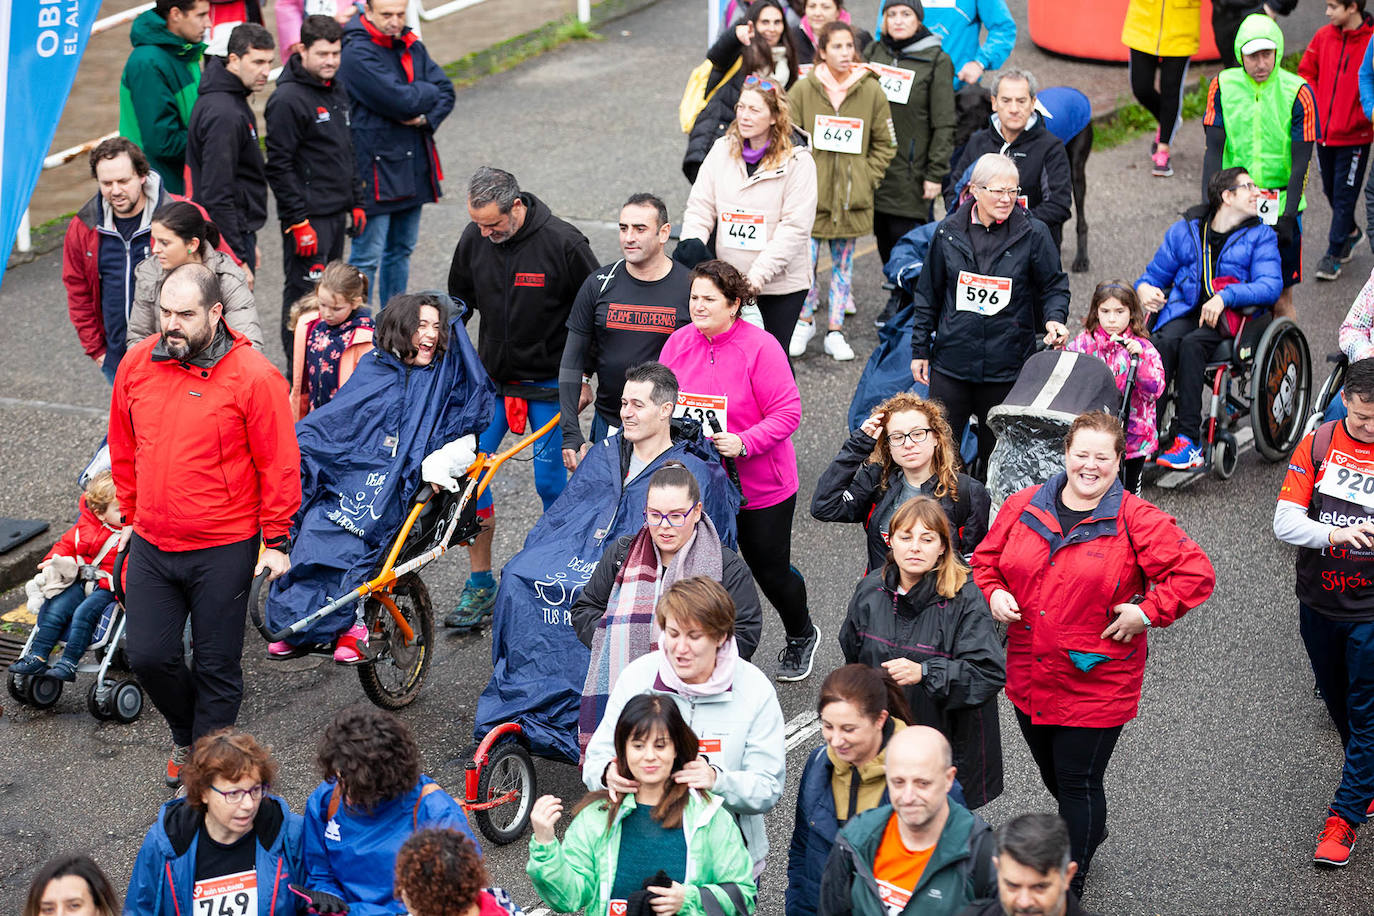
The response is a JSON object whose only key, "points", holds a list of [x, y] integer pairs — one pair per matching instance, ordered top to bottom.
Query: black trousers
{"points": [[1166, 102], [889, 229], [301, 273], [780, 314], [1184, 348], [963, 400], [1131, 471], [765, 542], [211, 587], [1073, 762]]}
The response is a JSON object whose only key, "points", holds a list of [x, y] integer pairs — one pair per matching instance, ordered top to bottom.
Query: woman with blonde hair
{"points": [[905, 449], [922, 619]]}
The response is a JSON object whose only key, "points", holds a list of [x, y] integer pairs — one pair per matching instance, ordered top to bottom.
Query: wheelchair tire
{"points": [[1280, 389], [1327, 393], [1225, 456], [394, 676], [18, 691], [44, 692], [126, 701], [93, 704], [509, 768]]}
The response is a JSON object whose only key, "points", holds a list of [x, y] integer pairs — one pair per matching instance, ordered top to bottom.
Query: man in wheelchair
{"points": [[1218, 267]]}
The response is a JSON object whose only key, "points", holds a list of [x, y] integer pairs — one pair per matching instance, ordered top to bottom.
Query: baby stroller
{"points": [[1054, 387]]}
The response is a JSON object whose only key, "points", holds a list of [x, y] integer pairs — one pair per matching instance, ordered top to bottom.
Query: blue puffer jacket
{"points": [[399, 164], [1250, 257], [165, 871]]}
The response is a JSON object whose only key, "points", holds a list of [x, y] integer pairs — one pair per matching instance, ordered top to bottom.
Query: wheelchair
{"points": [[1265, 373]]}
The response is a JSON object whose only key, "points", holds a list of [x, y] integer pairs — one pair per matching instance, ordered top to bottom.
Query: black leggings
{"points": [[1165, 103], [780, 314], [963, 400], [765, 542], [210, 586], [1073, 762]]}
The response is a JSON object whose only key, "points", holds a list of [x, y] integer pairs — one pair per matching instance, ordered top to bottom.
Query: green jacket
{"points": [[156, 91], [1258, 117], [924, 125], [845, 182], [959, 871], [578, 873]]}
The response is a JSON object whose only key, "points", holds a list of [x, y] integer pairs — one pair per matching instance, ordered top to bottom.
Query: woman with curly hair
{"points": [[905, 449], [372, 799], [228, 841], [440, 873], [72, 885]]}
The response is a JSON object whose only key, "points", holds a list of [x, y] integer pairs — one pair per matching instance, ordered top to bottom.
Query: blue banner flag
{"points": [[41, 43]]}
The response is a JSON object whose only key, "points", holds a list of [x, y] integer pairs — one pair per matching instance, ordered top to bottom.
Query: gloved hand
{"points": [[357, 223], [1286, 227], [307, 242], [691, 252], [444, 466], [320, 901]]}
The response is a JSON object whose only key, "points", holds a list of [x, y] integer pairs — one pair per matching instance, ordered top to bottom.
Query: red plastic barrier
{"points": [[1091, 29]]}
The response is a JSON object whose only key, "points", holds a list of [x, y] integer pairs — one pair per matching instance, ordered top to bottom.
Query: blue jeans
{"points": [[388, 240], [601, 429], [549, 474], [72, 606], [1342, 656]]}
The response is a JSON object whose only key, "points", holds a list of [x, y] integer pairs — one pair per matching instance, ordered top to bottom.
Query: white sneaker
{"points": [[801, 336], [837, 347]]}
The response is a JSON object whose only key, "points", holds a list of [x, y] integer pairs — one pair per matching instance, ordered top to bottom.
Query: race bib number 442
{"points": [[838, 135], [743, 229], [982, 294]]}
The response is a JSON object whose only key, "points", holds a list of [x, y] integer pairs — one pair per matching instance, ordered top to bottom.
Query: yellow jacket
{"points": [[1166, 28]]}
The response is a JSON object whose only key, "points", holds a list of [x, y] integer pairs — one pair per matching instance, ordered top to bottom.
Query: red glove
{"points": [[359, 221], [307, 242]]}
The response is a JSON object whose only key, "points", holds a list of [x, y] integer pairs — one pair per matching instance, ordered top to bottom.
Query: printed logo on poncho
{"points": [[358, 510], [557, 593]]}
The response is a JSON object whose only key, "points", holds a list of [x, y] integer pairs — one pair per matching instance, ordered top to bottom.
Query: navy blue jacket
{"points": [[398, 164]]}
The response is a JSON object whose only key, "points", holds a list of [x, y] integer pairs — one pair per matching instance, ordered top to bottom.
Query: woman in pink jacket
{"points": [[741, 373]]}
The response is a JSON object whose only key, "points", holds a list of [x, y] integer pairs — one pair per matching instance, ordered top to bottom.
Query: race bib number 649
{"points": [[838, 135]]}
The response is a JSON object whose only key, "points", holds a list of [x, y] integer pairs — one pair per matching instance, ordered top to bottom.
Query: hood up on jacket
{"points": [[1258, 25], [151, 29]]}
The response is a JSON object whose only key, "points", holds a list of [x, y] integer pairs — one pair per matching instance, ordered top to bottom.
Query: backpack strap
{"points": [[1321, 447], [428, 788]]}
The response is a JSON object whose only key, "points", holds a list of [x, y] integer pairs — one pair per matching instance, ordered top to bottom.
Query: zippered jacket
{"points": [[960, 25], [1163, 28], [1331, 67], [157, 91], [924, 125], [224, 160], [310, 163], [1046, 180], [240, 308], [83, 542]]}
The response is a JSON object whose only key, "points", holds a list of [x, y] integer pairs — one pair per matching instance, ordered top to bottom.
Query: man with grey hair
{"points": [[1017, 130], [519, 267], [1034, 870]]}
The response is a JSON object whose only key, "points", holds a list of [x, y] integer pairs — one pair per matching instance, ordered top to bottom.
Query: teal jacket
{"points": [[159, 86], [578, 873]]}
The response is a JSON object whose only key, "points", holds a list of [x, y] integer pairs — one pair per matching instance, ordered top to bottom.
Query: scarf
{"points": [[402, 41], [898, 45], [835, 88], [754, 155], [324, 349], [627, 629], [721, 679]]}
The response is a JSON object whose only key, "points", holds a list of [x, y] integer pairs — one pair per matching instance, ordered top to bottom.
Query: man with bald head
{"points": [[206, 465], [922, 853]]}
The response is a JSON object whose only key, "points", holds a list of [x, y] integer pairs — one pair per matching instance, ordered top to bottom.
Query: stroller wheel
{"points": [[397, 671], [17, 689], [44, 692], [126, 701], [98, 710], [509, 771]]}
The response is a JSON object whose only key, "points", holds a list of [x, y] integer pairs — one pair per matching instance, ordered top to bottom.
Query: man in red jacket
{"points": [[1330, 65], [206, 463]]}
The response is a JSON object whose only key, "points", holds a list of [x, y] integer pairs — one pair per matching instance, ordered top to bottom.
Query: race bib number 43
{"points": [[896, 82], [838, 135], [1268, 206], [743, 229], [982, 294], [707, 409], [1348, 479], [227, 895]]}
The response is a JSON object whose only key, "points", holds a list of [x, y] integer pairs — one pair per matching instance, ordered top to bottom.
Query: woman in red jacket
{"points": [[1078, 570]]}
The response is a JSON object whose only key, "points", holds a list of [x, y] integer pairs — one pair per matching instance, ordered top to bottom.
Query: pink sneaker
{"points": [[1161, 167], [348, 648], [280, 649]]}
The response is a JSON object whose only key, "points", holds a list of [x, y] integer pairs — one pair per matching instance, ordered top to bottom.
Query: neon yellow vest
{"points": [[1259, 127]]}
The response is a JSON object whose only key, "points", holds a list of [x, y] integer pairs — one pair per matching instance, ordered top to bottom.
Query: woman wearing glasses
{"points": [[756, 191], [992, 283], [906, 449], [614, 614], [226, 841]]}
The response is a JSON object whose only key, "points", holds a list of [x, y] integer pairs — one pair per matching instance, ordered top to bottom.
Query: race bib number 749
{"points": [[228, 895]]}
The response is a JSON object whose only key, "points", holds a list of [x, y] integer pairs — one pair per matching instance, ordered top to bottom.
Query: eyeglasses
{"points": [[752, 82], [1247, 186], [1003, 193], [916, 435], [674, 519], [236, 796]]}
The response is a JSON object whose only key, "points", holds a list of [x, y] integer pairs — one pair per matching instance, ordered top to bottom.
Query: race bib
{"points": [[321, 7], [803, 69], [896, 82], [838, 135], [1268, 206], [742, 229], [981, 294], [707, 409], [1349, 479], [708, 746], [227, 895], [619, 908]]}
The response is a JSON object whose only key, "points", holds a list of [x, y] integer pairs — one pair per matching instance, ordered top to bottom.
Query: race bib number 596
{"points": [[982, 294]]}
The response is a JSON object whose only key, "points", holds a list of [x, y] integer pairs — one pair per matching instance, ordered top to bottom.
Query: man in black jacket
{"points": [[1018, 131], [222, 153], [310, 163], [520, 267], [1034, 873]]}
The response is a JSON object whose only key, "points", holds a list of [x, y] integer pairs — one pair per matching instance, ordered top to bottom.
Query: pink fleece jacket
{"points": [[748, 366]]}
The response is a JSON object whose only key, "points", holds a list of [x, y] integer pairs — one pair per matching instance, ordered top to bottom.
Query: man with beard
{"points": [[206, 466], [922, 851], [1033, 870]]}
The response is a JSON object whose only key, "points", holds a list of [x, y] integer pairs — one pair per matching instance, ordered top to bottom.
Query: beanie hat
{"points": [[913, 5]]}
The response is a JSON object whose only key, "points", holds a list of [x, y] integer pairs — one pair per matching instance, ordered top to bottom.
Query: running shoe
{"points": [[1161, 167], [1348, 247], [1328, 268], [851, 309], [801, 336], [837, 347], [1183, 455], [474, 606], [281, 649], [348, 650], [795, 658], [30, 664], [64, 671], [175, 762], [1336, 842]]}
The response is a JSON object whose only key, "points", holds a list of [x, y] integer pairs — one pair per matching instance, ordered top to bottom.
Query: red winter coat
{"points": [[1331, 66], [204, 453], [83, 541], [1066, 588]]}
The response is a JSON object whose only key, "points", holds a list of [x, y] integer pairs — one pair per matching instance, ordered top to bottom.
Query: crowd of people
{"points": [[810, 133]]}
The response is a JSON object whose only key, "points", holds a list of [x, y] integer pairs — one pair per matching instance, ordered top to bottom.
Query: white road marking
{"points": [[80, 411], [1179, 480], [800, 729]]}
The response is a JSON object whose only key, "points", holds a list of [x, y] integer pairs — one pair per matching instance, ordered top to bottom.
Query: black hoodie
{"points": [[310, 147], [227, 174], [524, 287]]}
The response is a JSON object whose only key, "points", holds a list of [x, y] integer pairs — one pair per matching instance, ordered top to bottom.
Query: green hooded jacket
{"points": [[159, 86], [1258, 116], [924, 125]]}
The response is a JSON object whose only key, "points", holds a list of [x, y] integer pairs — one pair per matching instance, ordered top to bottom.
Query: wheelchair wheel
{"points": [[1280, 389], [1327, 393], [1225, 455], [397, 671], [44, 692], [126, 701], [94, 706], [509, 769]]}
